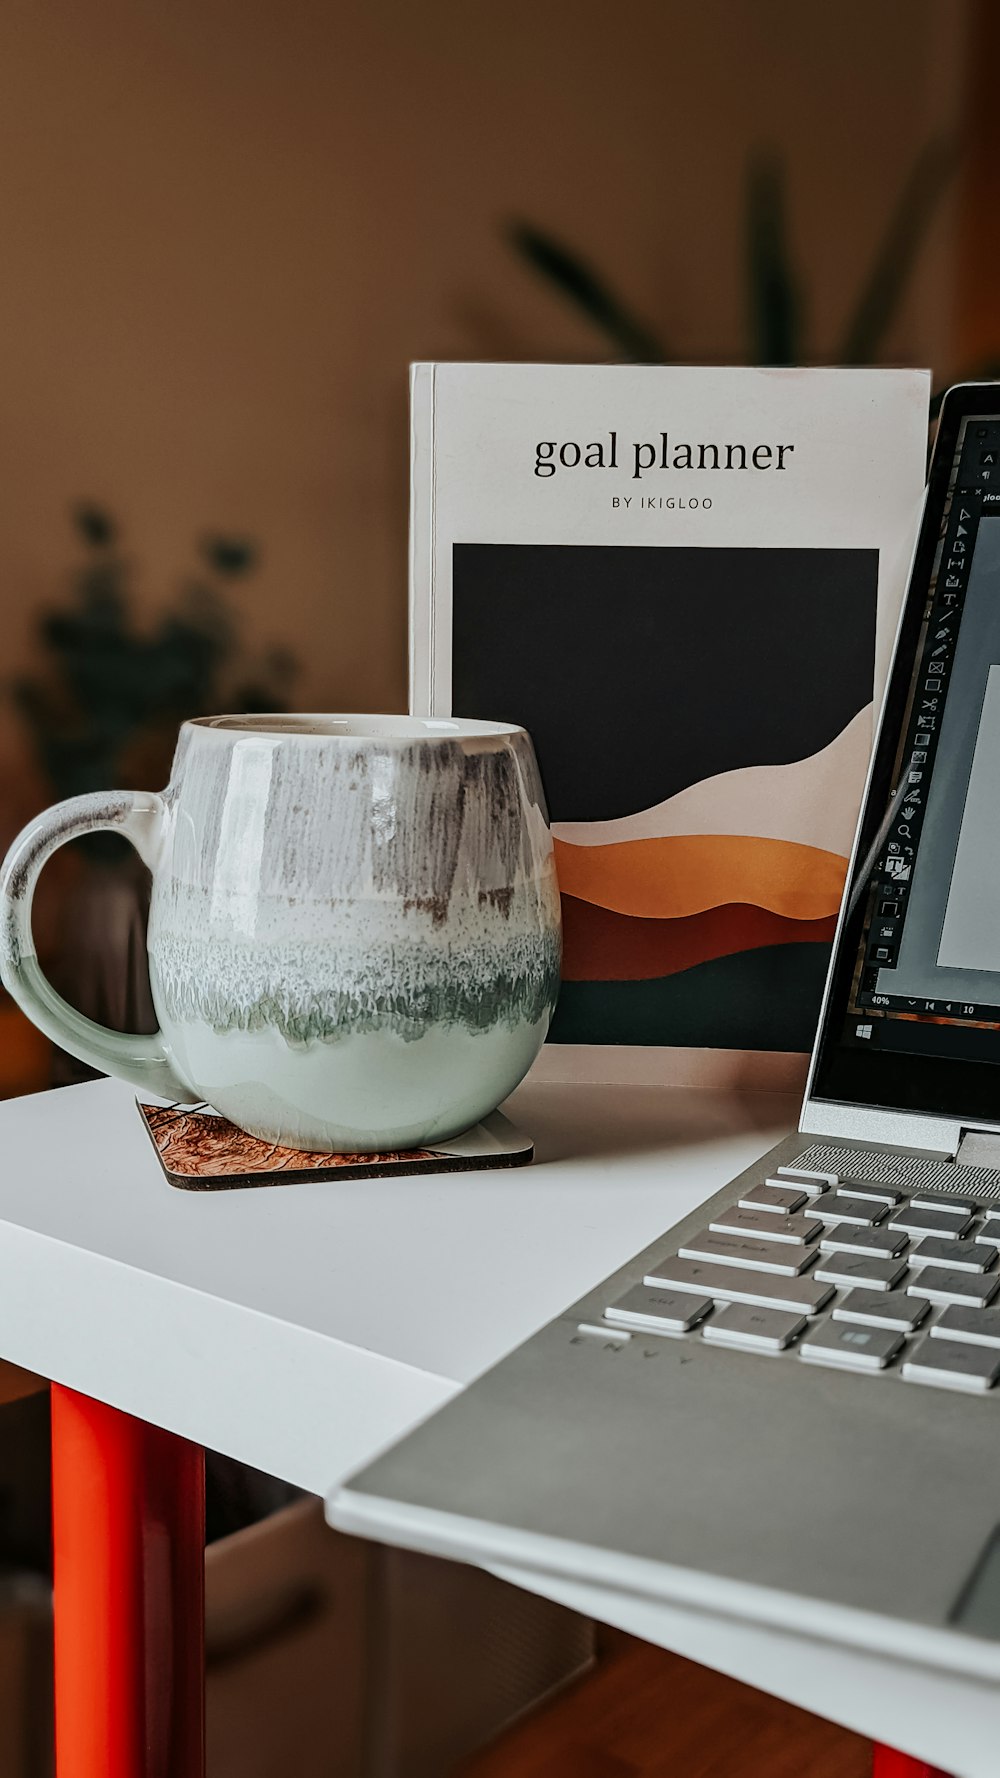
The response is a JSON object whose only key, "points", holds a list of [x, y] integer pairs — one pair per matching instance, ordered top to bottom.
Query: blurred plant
{"points": [[776, 307], [106, 710]]}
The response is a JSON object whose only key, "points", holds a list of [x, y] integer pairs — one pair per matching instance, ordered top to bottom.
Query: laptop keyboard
{"points": [[869, 1275]]}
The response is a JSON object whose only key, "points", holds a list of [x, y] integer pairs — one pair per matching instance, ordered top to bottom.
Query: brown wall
{"points": [[227, 225], [978, 285]]}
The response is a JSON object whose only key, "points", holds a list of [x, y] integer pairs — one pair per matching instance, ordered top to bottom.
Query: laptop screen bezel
{"points": [[852, 1075]]}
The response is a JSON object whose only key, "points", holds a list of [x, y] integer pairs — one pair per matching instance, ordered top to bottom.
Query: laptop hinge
{"points": [[869, 1126], [973, 1145], [979, 1148]]}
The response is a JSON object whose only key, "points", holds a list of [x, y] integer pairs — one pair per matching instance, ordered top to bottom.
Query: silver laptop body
{"points": [[788, 1407]]}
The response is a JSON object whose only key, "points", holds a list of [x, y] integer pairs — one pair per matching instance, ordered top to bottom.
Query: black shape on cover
{"points": [[639, 671]]}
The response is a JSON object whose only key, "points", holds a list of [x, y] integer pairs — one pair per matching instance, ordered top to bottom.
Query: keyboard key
{"points": [[810, 1182], [867, 1188], [781, 1198], [950, 1202], [838, 1207], [943, 1223], [765, 1225], [990, 1232], [882, 1243], [745, 1250], [960, 1256], [859, 1268], [732, 1284], [940, 1286], [882, 1308], [658, 1311], [741, 1325], [980, 1326], [857, 1348], [952, 1364]]}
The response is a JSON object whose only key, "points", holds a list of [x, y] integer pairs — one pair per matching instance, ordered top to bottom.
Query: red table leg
{"points": [[128, 1515], [902, 1765]]}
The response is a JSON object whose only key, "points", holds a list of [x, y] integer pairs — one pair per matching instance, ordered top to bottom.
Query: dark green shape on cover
{"points": [[766, 999]]}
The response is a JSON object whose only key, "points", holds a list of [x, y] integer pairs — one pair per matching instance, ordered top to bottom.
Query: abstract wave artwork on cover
{"points": [[702, 916]]}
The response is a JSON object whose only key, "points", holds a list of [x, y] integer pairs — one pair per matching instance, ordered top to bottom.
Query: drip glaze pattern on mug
{"points": [[404, 988]]}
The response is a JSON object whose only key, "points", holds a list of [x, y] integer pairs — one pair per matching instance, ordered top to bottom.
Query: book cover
{"points": [[684, 583]]}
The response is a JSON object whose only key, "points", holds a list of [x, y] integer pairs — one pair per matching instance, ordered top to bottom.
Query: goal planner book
{"points": [[684, 583]]}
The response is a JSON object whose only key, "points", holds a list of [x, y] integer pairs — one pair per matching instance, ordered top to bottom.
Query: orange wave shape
{"points": [[683, 874], [602, 946]]}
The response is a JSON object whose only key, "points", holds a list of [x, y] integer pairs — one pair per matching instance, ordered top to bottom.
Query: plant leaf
{"points": [[923, 189], [589, 292], [774, 298], [95, 525], [228, 555]]}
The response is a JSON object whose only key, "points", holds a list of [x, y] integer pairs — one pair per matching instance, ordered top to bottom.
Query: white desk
{"points": [[302, 1328]]}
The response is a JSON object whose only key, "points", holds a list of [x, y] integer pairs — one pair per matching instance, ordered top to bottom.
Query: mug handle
{"points": [[146, 1062]]}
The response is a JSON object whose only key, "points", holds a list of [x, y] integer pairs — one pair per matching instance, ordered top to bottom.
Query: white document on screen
{"points": [[970, 936]]}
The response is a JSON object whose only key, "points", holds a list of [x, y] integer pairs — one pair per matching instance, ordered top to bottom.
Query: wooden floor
{"points": [[644, 1713]]}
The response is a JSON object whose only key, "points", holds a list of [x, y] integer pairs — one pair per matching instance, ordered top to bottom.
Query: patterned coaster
{"points": [[201, 1151]]}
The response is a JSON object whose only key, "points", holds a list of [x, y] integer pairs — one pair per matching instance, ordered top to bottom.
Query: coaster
{"points": [[201, 1151]]}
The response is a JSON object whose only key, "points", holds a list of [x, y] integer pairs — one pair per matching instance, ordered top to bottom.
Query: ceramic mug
{"points": [[354, 934]]}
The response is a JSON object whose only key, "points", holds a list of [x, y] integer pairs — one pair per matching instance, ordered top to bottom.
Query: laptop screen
{"points": [[913, 1017]]}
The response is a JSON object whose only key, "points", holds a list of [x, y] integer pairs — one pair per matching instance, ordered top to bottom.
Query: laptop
{"points": [[787, 1408]]}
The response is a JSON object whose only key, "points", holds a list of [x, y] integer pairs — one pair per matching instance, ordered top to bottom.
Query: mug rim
{"points": [[320, 725]]}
